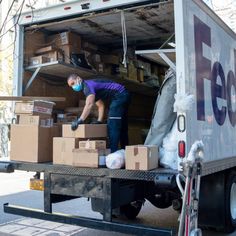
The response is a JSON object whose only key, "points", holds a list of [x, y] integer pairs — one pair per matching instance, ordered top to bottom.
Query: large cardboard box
{"points": [[64, 38], [110, 59], [41, 108], [35, 120], [85, 131], [31, 143], [92, 144], [63, 150], [89, 157], [141, 157]]}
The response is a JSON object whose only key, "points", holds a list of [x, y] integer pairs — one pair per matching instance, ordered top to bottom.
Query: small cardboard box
{"points": [[44, 50], [54, 56], [38, 60], [132, 71], [140, 75], [41, 108], [29, 120], [35, 120], [85, 131], [31, 143], [92, 144], [63, 150], [89, 157], [141, 157]]}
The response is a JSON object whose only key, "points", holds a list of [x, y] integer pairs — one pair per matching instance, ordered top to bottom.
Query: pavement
{"points": [[14, 189]]}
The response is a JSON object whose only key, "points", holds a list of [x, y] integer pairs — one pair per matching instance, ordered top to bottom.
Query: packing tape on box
{"points": [[135, 151], [137, 165]]}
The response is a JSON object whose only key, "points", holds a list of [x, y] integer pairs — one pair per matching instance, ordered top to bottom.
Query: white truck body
{"points": [[206, 69]]}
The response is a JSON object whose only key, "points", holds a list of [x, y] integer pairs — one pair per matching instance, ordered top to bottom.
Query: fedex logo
{"points": [[213, 71]]}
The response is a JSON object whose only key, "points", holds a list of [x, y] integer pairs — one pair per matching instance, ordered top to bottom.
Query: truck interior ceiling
{"points": [[102, 48]]}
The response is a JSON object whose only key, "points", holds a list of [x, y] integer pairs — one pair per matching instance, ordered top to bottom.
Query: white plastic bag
{"points": [[183, 102], [168, 151], [116, 160]]}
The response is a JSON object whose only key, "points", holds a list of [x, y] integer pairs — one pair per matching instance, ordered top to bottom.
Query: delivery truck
{"points": [[134, 42]]}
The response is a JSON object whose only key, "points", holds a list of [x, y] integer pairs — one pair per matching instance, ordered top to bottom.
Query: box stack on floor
{"points": [[32, 137], [84, 147]]}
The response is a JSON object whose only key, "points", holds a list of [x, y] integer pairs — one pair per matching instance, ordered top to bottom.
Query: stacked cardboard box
{"points": [[67, 42], [60, 48], [31, 138], [82, 147]]}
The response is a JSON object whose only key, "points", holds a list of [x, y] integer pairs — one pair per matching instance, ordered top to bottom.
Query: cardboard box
{"points": [[64, 38], [89, 46], [44, 50], [67, 50], [55, 55], [110, 59], [38, 60], [99, 67], [132, 71], [140, 75], [41, 108], [35, 120], [85, 131], [31, 143], [92, 144], [63, 150], [89, 157], [140, 157]]}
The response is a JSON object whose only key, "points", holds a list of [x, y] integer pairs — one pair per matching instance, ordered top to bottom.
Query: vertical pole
{"points": [[47, 193]]}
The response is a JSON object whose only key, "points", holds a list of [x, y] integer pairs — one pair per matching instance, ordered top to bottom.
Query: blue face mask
{"points": [[77, 87]]}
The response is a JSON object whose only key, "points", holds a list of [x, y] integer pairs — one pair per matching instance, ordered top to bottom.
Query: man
{"points": [[98, 90]]}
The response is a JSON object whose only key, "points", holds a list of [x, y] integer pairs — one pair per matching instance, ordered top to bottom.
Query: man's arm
{"points": [[90, 100], [101, 109]]}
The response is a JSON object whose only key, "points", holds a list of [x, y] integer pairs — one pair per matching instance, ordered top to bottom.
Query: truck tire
{"points": [[161, 201], [230, 203], [217, 205], [132, 209]]}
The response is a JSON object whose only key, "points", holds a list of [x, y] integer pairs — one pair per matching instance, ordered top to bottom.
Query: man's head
{"points": [[75, 82]]}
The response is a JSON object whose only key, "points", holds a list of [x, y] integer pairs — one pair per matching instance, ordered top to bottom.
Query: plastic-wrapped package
{"points": [[183, 102], [163, 114], [168, 151], [116, 160]]}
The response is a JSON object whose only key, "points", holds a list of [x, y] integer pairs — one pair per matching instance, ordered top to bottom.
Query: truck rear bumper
{"points": [[95, 172]]}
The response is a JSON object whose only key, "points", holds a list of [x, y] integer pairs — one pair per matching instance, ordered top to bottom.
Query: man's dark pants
{"points": [[118, 121]]}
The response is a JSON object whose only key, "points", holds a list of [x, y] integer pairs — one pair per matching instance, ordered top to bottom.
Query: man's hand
{"points": [[96, 122], [76, 123]]}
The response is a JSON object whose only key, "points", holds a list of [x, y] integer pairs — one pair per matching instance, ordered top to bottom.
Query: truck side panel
{"points": [[210, 76]]}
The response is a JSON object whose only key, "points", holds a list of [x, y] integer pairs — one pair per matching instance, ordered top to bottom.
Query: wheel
{"points": [[161, 201], [230, 202], [217, 203], [132, 209]]}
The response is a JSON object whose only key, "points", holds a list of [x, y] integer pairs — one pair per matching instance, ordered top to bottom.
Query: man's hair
{"points": [[72, 76]]}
